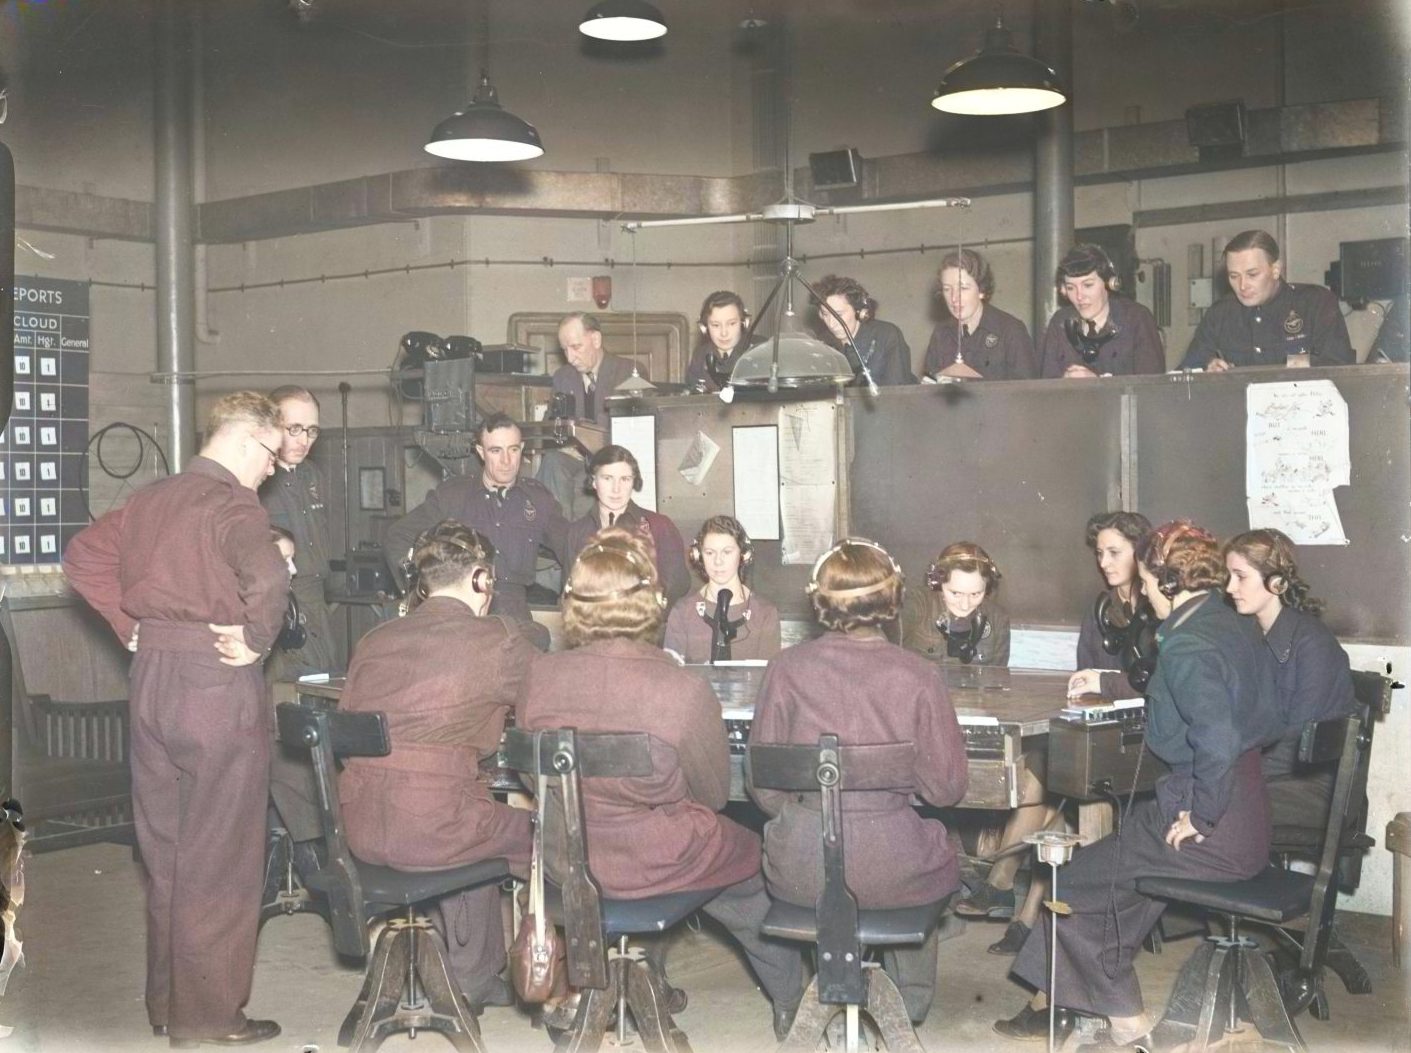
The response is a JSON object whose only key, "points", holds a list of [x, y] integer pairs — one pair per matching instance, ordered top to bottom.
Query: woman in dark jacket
{"points": [[724, 326], [880, 345], [613, 476], [721, 554], [958, 619], [1116, 641], [1312, 671], [446, 675], [852, 682], [1212, 706], [660, 833]]}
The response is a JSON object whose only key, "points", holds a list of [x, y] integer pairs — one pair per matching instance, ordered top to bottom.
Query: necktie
{"points": [[1092, 328], [964, 330], [590, 383], [500, 492]]}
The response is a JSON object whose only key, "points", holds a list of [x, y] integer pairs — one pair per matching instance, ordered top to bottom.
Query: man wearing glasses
{"points": [[296, 499], [188, 578]]}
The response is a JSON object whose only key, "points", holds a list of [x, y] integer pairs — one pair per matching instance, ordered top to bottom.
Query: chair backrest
{"points": [[330, 735], [1349, 741], [566, 755], [829, 769]]}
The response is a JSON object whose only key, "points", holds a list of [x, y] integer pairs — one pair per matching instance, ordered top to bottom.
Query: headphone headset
{"points": [[744, 320], [696, 559], [482, 578], [644, 578], [936, 580], [1168, 581], [1276, 583], [814, 589], [292, 634]]}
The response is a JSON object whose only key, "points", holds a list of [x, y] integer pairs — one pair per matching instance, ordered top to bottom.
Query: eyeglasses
{"points": [[295, 430], [273, 454]]}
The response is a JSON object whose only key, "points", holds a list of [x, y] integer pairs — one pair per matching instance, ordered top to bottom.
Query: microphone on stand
{"points": [[720, 631]]}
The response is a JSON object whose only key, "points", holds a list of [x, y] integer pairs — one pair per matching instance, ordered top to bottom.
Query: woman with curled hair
{"points": [[847, 311], [978, 341], [613, 476], [721, 554], [959, 619], [1117, 639], [1311, 668], [446, 675], [853, 683], [1211, 707], [660, 833]]}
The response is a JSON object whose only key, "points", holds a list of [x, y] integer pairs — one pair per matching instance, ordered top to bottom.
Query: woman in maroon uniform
{"points": [[721, 554], [446, 675], [853, 683], [660, 833]]}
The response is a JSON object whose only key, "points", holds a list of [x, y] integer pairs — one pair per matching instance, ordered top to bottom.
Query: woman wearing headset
{"points": [[851, 312], [724, 326], [1096, 333], [978, 340], [613, 476], [721, 554], [959, 619], [1117, 640], [1116, 654], [1311, 671], [853, 683], [1212, 706], [424, 806], [661, 833]]}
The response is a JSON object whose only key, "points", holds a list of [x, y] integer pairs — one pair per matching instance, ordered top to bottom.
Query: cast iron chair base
{"points": [[407, 987], [636, 988], [884, 1005]]}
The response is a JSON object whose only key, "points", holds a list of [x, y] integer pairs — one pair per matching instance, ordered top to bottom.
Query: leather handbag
{"points": [[537, 958]]}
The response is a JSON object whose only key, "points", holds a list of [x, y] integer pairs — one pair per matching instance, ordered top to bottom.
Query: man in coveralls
{"points": [[186, 575]]}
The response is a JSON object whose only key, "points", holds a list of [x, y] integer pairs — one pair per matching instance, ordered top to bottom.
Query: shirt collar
{"points": [[1280, 635]]}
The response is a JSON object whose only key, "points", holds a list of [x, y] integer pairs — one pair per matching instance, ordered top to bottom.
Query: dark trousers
{"points": [[200, 778], [473, 927], [1099, 940], [777, 965]]}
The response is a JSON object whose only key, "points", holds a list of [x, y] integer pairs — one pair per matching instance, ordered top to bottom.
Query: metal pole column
{"points": [[1053, 159], [176, 301]]}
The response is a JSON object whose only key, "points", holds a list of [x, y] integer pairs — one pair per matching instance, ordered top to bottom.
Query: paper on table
{"points": [[639, 435], [699, 456], [756, 461]]}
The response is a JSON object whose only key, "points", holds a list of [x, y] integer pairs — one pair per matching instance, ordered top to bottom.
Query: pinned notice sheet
{"points": [[638, 435], [1296, 453], [756, 460], [808, 492]]}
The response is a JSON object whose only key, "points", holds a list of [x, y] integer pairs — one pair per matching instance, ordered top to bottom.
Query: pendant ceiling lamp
{"points": [[623, 20], [998, 79], [483, 130]]}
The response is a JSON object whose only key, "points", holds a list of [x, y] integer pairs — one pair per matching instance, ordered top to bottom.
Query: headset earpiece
{"points": [[702, 327], [747, 553], [482, 581], [1168, 582], [1276, 583]]}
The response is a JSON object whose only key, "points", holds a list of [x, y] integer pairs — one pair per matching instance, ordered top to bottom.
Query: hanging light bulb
{"points": [[623, 20], [998, 79], [483, 130]]}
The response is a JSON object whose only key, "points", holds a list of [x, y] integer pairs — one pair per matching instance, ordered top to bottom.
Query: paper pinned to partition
{"points": [[639, 436], [1297, 451], [700, 455], [756, 460], [808, 491]]}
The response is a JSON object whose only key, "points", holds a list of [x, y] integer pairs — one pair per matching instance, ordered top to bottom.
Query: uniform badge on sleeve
{"points": [[1293, 325], [991, 340]]}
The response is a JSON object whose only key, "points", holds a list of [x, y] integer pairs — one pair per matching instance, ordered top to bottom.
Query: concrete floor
{"points": [[81, 986]]}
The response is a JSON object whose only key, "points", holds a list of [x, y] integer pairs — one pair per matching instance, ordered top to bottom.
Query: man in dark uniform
{"points": [[1267, 322], [587, 379], [294, 497], [517, 515], [186, 575]]}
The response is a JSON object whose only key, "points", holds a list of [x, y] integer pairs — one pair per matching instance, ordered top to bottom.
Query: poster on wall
{"points": [[41, 449]]}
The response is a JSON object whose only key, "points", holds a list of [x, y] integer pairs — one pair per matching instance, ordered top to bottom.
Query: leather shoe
{"points": [[987, 902], [1015, 933], [495, 991], [675, 1001], [784, 1020], [1032, 1024], [253, 1031]]}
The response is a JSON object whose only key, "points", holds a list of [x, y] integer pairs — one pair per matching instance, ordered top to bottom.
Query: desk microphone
{"points": [[720, 631]]}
